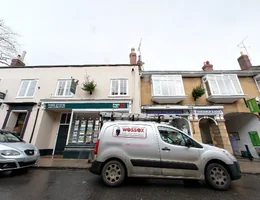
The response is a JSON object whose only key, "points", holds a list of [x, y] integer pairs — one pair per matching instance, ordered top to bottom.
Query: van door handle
{"points": [[166, 149]]}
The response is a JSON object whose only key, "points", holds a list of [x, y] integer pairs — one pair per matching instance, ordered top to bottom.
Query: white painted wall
{"points": [[48, 77], [243, 123], [55, 129], [45, 134]]}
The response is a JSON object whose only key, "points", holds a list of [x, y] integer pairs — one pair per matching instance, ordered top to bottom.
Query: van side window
{"points": [[171, 136]]}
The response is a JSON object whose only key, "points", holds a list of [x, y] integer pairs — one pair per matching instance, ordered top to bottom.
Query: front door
{"points": [[61, 140], [176, 158]]}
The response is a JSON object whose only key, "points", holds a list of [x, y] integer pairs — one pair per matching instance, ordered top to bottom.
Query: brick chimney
{"points": [[132, 56], [244, 61], [18, 62], [207, 66]]}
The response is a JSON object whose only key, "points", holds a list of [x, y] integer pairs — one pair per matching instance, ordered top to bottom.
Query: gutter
{"points": [[201, 73]]}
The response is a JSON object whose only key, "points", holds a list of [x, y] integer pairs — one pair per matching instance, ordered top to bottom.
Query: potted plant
{"points": [[89, 85], [197, 92]]}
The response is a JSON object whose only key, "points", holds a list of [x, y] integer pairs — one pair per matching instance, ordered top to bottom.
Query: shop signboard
{"points": [[73, 86], [2, 95], [86, 105], [253, 105], [204, 111], [169, 112], [254, 138]]}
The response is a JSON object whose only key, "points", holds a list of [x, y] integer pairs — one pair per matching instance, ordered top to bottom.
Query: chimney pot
{"points": [[23, 55], [132, 56], [244, 61], [17, 62], [207, 66]]}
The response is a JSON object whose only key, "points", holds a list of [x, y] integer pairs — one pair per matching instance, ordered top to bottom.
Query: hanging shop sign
{"points": [[73, 86], [2, 95], [86, 105], [253, 105], [254, 138]]}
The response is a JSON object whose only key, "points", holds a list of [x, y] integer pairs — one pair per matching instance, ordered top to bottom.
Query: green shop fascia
{"points": [[86, 105]]}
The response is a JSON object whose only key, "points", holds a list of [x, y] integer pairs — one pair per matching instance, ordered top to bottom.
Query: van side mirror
{"points": [[117, 132], [188, 142]]}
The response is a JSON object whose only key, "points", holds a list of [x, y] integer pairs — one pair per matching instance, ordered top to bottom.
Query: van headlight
{"points": [[9, 153], [230, 155]]}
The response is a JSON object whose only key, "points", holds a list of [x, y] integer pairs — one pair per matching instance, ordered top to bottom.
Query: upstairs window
{"points": [[257, 81], [227, 84], [171, 85], [63, 87], [119, 87], [27, 88]]}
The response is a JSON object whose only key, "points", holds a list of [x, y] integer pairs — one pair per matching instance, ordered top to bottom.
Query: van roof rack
{"points": [[135, 116]]}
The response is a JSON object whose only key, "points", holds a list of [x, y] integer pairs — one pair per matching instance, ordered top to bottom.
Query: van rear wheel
{"points": [[113, 173], [218, 177]]}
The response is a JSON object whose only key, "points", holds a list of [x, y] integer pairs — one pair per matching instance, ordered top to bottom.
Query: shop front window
{"points": [[85, 128]]}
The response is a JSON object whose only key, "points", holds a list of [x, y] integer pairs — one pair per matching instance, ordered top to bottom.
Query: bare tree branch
{"points": [[8, 44]]}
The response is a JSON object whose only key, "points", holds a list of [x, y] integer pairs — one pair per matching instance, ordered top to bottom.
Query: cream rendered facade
{"points": [[42, 119]]}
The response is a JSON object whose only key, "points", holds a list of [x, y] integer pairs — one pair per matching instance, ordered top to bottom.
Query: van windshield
{"points": [[6, 136]]}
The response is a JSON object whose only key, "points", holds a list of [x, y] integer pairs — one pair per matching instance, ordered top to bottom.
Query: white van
{"points": [[154, 150]]}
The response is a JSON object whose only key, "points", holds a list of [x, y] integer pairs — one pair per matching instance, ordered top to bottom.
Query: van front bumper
{"points": [[96, 167], [235, 171]]}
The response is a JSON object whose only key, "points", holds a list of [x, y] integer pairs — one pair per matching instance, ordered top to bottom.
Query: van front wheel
{"points": [[113, 173], [218, 177]]}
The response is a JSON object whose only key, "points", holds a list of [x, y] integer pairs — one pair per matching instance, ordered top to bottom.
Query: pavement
{"points": [[247, 167], [68, 184]]}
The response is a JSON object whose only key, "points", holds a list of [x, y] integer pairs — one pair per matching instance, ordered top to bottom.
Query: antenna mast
{"points": [[243, 46], [139, 48]]}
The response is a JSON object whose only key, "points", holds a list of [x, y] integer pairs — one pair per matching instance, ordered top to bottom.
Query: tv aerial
{"points": [[243, 46]]}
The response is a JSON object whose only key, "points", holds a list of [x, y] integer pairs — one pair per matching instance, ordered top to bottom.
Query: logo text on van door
{"points": [[133, 129], [130, 132]]}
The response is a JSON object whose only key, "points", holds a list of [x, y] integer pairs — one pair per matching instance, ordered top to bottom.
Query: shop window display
{"points": [[85, 128]]}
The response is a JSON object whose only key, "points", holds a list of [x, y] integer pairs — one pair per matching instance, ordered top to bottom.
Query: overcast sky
{"points": [[176, 34]]}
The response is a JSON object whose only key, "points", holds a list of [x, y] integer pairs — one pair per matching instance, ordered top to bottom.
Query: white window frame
{"points": [[168, 78], [206, 79], [256, 79], [119, 80], [63, 95], [25, 96]]}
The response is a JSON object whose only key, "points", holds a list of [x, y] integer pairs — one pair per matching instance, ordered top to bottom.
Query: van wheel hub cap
{"points": [[113, 173], [218, 176]]}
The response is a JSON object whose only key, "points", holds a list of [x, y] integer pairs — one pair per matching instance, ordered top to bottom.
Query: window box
{"points": [[119, 87], [27, 88], [63, 88], [223, 88], [167, 89]]}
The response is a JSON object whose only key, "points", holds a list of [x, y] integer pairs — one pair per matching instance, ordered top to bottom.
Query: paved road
{"points": [[81, 184]]}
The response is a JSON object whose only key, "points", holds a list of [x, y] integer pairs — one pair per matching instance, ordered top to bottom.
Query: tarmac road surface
{"points": [[39, 184]]}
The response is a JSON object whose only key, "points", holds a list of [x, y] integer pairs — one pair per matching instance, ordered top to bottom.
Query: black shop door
{"points": [[61, 140]]}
